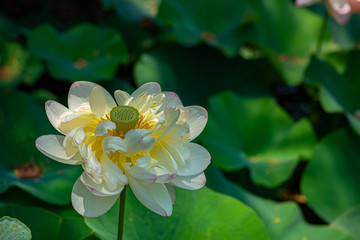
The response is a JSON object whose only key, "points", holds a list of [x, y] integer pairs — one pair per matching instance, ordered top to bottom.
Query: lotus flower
{"points": [[341, 10], [142, 139]]}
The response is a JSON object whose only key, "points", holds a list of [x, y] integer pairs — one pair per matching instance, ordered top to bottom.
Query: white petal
{"points": [[301, 3], [340, 10], [150, 88], [79, 93], [121, 97], [97, 101], [172, 101], [54, 111], [171, 117], [74, 120], [197, 120], [103, 127], [138, 139], [113, 144], [52, 147], [70, 149], [178, 150], [164, 158], [198, 161], [144, 162], [91, 164], [142, 175], [163, 175], [114, 178], [190, 182], [97, 189], [172, 192], [154, 196], [89, 204]]}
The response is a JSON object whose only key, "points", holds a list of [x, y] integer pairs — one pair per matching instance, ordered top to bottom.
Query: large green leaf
{"points": [[134, 10], [217, 23], [287, 34], [84, 52], [199, 72], [339, 91], [22, 121], [258, 134], [332, 176], [201, 214], [283, 220], [349, 222], [47, 225]]}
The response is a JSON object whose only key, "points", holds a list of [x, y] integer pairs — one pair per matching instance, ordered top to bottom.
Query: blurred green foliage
{"points": [[281, 85]]}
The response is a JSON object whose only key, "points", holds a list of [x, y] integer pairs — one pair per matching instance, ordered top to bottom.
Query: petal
{"points": [[301, 3], [340, 10], [151, 88], [79, 93], [121, 97], [97, 101], [172, 101], [54, 111], [171, 116], [74, 120], [197, 120], [103, 127], [138, 139], [113, 144], [52, 147], [70, 149], [178, 150], [164, 158], [198, 161], [144, 162], [91, 164], [141, 175], [163, 175], [114, 178], [190, 182], [97, 189], [172, 192], [154, 196], [89, 204]]}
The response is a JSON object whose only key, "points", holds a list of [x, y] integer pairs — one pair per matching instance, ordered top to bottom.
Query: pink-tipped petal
{"points": [[302, 3], [340, 10], [150, 88], [54, 111], [197, 120], [52, 147], [190, 182], [172, 192], [154, 196], [88, 204]]}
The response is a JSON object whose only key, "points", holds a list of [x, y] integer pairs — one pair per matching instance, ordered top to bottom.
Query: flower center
{"points": [[125, 118]]}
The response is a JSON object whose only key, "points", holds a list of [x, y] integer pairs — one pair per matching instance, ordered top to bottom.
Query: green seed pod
{"points": [[125, 118], [12, 228]]}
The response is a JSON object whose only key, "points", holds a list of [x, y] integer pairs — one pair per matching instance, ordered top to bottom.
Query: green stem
{"points": [[322, 33], [121, 214]]}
